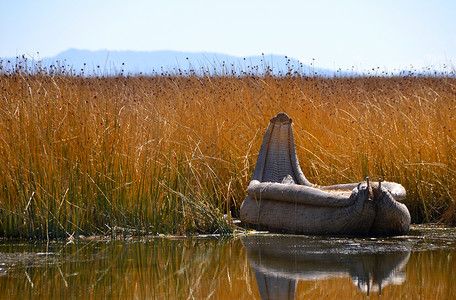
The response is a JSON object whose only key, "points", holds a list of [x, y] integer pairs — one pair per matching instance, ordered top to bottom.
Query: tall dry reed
{"points": [[173, 154]]}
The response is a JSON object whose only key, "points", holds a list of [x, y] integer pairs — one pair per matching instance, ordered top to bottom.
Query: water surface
{"points": [[421, 265]]}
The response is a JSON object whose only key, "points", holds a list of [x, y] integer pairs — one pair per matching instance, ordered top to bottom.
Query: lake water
{"points": [[421, 265]]}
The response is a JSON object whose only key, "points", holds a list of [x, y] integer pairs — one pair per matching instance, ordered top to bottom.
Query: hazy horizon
{"points": [[330, 34]]}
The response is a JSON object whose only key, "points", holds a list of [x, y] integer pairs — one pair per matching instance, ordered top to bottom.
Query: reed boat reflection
{"points": [[279, 262]]}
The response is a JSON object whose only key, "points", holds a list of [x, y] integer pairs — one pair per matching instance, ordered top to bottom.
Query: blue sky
{"points": [[388, 34]]}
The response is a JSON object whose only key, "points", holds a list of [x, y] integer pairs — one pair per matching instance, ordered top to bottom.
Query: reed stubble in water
{"points": [[173, 154]]}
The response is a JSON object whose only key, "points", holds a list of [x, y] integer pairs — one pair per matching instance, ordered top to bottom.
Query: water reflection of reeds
{"points": [[156, 269], [190, 269]]}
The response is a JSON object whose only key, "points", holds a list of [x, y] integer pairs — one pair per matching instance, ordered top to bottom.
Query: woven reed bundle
{"points": [[280, 197]]}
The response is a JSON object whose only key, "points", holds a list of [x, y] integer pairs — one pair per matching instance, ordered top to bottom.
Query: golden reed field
{"points": [[173, 154]]}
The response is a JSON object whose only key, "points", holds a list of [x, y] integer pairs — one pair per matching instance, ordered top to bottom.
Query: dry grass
{"points": [[173, 154]]}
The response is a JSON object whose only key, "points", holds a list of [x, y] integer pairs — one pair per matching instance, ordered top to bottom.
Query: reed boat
{"points": [[280, 198]]}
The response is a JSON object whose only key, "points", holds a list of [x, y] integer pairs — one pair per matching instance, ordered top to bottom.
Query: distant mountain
{"points": [[105, 62]]}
